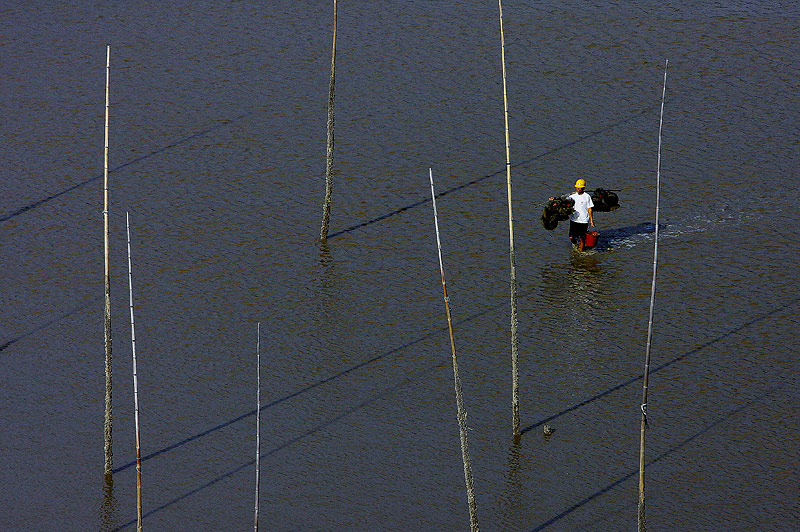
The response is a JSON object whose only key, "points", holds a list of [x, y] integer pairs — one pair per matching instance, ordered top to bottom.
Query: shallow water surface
{"points": [[217, 147]]}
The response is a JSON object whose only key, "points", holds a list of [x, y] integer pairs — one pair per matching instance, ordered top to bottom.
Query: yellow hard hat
{"points": [[580, 183]]}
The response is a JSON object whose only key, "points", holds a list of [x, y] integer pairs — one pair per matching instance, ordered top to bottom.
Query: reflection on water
{"points": [[585, 281], [326, 283], [574, 288], [325, 291], [513, 490], [108, 508]]}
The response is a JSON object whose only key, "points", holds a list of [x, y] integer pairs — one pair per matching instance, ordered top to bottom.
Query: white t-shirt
{"points": [[583, 202]]}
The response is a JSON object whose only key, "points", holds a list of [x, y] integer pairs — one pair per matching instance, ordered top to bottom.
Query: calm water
{"points": [[217, 149]]}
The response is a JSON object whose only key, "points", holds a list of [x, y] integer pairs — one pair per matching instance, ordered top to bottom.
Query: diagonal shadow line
{"points": [[489, 176], [39, 203], [48, 323], [400, 348], [660, 367], [405, 382], [312, 386], [385, 393], [283, 399], [659, 458]]}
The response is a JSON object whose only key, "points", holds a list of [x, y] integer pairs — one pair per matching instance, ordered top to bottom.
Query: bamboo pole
{"points": [[326, 206], [511, 251], [135, 389], [461, 411], [258, 422], [107, 423], [642, 521]]}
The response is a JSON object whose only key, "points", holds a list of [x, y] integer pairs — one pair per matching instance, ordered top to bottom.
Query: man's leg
{"points": [[580, 233], [573, 237]]}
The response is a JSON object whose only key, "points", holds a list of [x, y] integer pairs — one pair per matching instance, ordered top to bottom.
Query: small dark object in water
{"points": [[604, 200]]}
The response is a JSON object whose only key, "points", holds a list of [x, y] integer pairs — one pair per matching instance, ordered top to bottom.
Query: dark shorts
{"points": [[577, 230]]}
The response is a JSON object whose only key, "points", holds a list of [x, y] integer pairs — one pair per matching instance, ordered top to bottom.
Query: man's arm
{"points": [[591, 220]]}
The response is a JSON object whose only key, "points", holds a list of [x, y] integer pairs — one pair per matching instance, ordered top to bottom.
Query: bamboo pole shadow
{"points": [[184, 140], [502, 172], [327, 262], [48, 323], [399, 349], [396, 350], [665, 365], [412, 379], [313, 386], [386, 393], [278, 401], [285, 445], [666, 454], [513, 457]]}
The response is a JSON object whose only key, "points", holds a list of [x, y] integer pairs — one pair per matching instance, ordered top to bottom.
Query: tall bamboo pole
{"points": [[326, 206], [511, 252], [107, 313], [135, 389], [461, 411], [258, 422], [641, 511]]}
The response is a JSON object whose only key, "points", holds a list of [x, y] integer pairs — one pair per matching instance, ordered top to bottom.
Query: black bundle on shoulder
{"points": [[604, 200], [560, 208], [557, 210]]}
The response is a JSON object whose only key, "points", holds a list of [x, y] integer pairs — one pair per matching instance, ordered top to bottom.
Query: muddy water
{"points": [[217, 151]]}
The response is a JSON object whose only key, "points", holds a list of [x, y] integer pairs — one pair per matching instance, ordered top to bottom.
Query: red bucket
{"points": [[591, 239]]}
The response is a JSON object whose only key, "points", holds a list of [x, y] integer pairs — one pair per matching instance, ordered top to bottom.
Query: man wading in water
{"points": [[581, 218]]}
